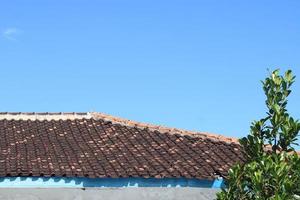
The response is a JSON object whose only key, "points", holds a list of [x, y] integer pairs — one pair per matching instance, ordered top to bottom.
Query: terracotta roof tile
{"points": [[99, 145]]}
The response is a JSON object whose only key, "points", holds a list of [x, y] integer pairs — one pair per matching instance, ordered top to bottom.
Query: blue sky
{"points": [[188, 64]]}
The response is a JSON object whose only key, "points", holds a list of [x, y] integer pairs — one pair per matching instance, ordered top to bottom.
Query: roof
{"points": [[99, 145]]}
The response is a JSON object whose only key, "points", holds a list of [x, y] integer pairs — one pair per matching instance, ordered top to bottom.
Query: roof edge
{"points": [[116, 120], [162, 129]]}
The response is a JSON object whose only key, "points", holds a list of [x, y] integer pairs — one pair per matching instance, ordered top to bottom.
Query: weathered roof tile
{"points": [[98, 145]]}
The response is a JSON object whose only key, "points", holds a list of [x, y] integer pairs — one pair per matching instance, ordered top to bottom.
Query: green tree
{"points": [[272, 166]]}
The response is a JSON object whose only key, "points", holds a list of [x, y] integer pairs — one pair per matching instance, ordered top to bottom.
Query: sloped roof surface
{"points": [[97, 145]]}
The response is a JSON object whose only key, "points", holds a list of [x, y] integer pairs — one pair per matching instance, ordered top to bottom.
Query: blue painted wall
{"points": [[63, 182]]}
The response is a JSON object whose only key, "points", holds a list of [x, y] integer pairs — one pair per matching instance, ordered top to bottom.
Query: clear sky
{"points": [[188, 64]]}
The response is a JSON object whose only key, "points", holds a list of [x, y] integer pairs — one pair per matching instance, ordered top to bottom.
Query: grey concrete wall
{"points": [[109, 194]]}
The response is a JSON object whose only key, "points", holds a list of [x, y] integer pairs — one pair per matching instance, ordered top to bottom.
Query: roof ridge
{"points": [[44, 115], [163, 129]]}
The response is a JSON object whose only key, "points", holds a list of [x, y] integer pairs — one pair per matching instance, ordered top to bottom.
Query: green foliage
{"points": [[272, 167]]}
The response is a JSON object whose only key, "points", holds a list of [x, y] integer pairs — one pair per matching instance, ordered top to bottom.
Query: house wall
{"points": [[64, 182], [62, 188], [148, 193]]}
